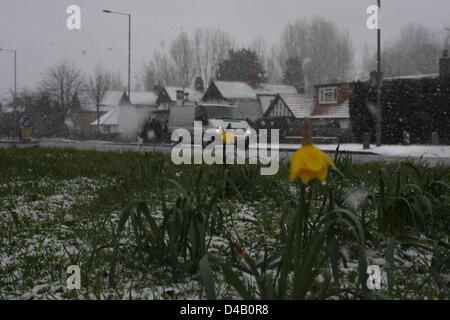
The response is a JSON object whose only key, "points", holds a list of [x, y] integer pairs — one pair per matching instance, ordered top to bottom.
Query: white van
{"points": [[212, 116]]}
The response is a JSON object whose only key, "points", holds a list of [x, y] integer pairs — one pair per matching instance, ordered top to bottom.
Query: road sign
{"points": [[26, 122]]}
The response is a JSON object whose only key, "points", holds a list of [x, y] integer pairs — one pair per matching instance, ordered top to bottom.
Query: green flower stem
{"points": [[301, 226]]}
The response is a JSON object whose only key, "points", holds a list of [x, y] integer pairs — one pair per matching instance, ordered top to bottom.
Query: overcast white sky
{"points": [[37, 28]]}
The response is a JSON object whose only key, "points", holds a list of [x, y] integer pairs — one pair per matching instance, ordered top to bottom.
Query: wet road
{"points": [[284, 154]]}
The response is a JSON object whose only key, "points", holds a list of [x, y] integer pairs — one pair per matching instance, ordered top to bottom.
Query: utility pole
{"points": [[129, 57], [379, 79], [15, 89]]}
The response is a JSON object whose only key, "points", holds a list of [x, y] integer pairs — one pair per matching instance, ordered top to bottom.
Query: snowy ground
{"points": [[388, 150], [50, 221]]}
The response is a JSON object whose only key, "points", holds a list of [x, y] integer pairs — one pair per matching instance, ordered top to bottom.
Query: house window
{"points": [[328, 95]]}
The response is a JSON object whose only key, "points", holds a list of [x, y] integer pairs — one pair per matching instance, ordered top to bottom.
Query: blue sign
{"points": [[26, 122]]}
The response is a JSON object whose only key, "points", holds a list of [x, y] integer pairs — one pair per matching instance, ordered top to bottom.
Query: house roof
{"points": [[276, 88], [235, 90], [242, 90], [194, 95], [112, 98], [143, 98], [265, 99], [300, 105], [341, 111], [110, 118]]}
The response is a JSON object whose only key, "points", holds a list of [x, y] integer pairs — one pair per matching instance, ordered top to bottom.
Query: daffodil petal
{"points": [[313, 157], [309, 162], [296, 164], [323, 173], [305, 177]]}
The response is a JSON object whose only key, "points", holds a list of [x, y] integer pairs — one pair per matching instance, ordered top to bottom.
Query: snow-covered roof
{"points": [[276, 88], [235, 90], [242, 90], [172, 92], [194, 95], [112, 98], [143, 98], [265, 99], [301, 105], [341, 111], [110, 118]]}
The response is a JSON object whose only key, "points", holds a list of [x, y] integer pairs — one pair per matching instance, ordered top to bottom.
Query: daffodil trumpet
{"points": [[229, 138], [309, 162]]}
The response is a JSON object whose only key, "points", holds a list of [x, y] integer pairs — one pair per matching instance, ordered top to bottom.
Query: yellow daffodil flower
{"points": [[228, 137], [309, 162]]}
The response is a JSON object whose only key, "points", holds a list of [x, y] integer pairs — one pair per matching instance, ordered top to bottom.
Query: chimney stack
{"points": [[444, 65], [252, 79], [199, 84], [180, 96]]}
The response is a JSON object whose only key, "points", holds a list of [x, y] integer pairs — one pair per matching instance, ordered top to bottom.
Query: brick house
{"points": [[331, 104], [327, 105]]}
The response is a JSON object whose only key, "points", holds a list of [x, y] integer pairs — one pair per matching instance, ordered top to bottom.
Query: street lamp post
{"points": [[129, 47], [379, 80], [15, 87]]}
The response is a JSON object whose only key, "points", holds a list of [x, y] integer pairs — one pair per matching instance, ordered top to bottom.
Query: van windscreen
{"points": [[219, 112]]}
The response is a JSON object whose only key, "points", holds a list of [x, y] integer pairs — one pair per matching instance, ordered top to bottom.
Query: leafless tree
{"points": [[259, 45], [211, 46], [326, 50], [415, 51], [182, 52], [187, 57], [269, 58], [159, 71], [99, 83], [64, 84]]}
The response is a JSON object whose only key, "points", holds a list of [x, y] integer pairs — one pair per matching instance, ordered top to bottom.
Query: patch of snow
{"points": [[426, 151]]}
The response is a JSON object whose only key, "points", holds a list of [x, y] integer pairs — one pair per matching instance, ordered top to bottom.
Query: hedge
{"points": [[418, 106]]}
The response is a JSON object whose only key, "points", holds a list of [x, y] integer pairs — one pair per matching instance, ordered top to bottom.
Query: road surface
{"points": [[285, 154]]}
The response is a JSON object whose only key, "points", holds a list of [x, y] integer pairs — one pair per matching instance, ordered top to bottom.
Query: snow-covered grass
{"points": [[403, 151], [415, 151], [63, 207]]}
